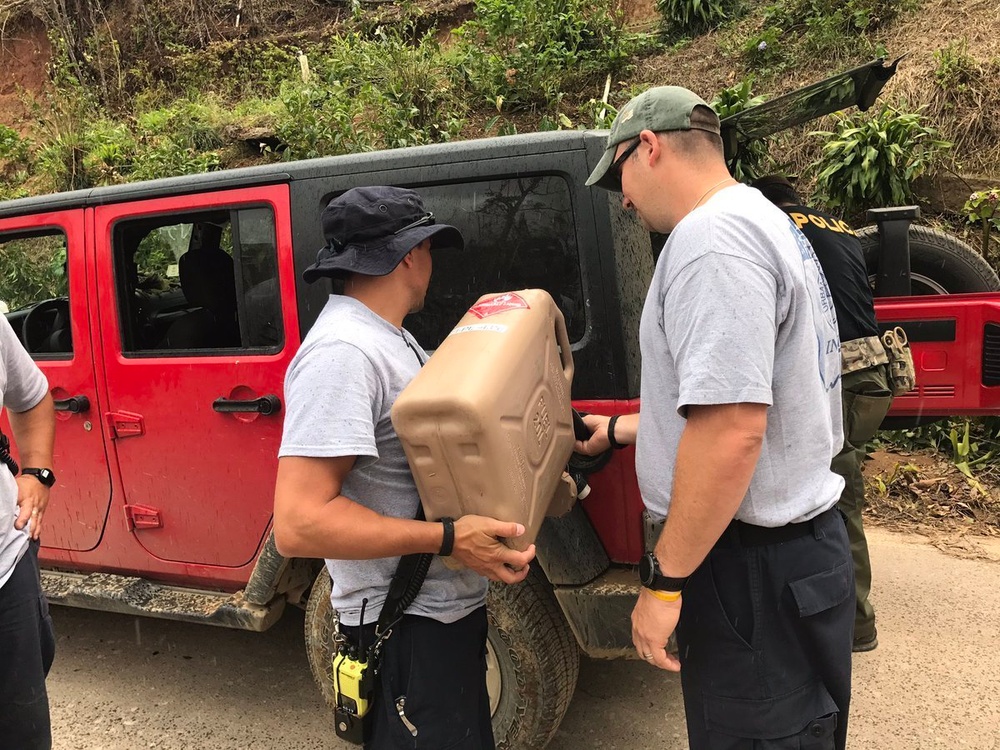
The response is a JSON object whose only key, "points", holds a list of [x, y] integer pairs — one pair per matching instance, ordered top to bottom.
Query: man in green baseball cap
{"points": [[660, 110], [741, 418]]}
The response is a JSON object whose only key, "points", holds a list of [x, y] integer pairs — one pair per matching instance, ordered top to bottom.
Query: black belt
{"points": [[749, 535]]}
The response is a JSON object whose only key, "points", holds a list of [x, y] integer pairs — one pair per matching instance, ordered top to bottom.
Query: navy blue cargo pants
{"points": [[764, 640], [431, 694]]}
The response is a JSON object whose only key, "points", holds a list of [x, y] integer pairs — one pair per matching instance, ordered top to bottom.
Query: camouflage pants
{"points": [[866, 399]]}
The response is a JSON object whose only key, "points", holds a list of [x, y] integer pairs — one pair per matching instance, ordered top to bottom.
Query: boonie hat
{"points": [[660, 109], [369, 230]]}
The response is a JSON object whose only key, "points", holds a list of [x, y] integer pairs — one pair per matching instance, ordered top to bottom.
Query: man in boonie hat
{"points": [[741, 418], [345, 493]]}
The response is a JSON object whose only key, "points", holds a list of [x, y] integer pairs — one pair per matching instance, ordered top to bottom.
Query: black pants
{"points": [[765, 642], [27, 646], [440, 672]]}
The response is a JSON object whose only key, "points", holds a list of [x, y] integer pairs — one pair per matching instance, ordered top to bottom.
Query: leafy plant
{"points": [[692, 16], [764, 48], [527, 53], [954, 69], [366, 92], [12, 146], [872, 159], [748, 161], [983, 207]]}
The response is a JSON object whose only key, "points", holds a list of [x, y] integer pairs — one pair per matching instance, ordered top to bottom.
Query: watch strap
{"points": [[43, 475], [660, 582], [665, 583]]}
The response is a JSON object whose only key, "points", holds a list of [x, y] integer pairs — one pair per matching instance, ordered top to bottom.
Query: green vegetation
{"points": [[694, 16], [783, 33], [519, 54], [954, 69], [151, 90], [115, 116], [751, 158], [871, 159], [983, 208], [33, 270], [972, 444]]}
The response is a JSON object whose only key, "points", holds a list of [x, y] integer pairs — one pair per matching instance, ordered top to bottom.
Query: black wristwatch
{"points": [[45, 476], [650, 577]]}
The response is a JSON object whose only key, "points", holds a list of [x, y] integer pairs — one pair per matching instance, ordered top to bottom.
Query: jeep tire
{"points": [[939, 263], [532, 657]]}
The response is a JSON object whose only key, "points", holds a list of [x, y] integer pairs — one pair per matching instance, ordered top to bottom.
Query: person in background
{"points": [[865, 385], [740, 420], [27, 642]]}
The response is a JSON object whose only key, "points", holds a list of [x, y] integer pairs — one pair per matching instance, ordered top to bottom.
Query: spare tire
{"points": [[939, 263]]}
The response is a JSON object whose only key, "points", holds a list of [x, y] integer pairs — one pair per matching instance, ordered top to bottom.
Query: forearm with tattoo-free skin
{"points": [[34, 434], [716, 458], [312, 519]]}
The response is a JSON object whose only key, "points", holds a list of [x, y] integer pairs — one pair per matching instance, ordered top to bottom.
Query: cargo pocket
{"points": [[865, 406], [866, 414], [822, 591], [804, 719]]}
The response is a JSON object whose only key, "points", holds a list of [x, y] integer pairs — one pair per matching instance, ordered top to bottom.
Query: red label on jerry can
{"points": [[499, 304]]}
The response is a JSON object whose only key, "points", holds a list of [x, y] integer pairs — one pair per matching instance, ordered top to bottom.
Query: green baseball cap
{"points": [[660, 109]]}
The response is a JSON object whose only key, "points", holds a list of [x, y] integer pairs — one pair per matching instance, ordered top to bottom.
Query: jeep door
{"points": [[45, 287], [199, 326]]}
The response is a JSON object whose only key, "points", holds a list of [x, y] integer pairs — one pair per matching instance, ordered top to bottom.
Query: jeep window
{"points": [[519, 234], [199, 281], [34, 290]]}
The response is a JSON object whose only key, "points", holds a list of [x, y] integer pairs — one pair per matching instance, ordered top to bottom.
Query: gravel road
{"points": [[124, 683]]}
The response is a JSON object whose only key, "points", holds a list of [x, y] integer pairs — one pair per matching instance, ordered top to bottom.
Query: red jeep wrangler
{"points": [[169, 418]]}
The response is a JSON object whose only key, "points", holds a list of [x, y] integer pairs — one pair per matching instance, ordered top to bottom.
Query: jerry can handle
{"points": [[565, 352]]}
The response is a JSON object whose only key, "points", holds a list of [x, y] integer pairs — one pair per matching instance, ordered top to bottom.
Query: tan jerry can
{"points": [[487, 423]]}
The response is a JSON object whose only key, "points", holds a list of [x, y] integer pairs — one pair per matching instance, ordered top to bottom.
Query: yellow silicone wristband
{"points": [[665, 596]]}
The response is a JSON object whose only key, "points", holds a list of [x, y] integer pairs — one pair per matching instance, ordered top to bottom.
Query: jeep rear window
{"points": [[519, 234], [199, 281], [34, 291]]}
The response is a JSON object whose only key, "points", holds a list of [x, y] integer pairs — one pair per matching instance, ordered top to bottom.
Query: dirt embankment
{"points": [[24, 59]]}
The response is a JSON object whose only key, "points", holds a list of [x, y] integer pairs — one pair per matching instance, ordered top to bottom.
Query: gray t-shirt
{"points": [[739, 312], [22, 387], [339, 390]]}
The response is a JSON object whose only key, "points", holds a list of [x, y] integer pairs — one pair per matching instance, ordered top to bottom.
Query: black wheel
{"points": [[939, 263], [531, 655], [533, 663]]}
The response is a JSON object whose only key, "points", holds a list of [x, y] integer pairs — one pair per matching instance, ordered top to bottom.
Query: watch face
{"points": [[646, 569]]}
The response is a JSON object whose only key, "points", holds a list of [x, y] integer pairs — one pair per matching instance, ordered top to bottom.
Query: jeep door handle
{"points": [[73, 404], [269, 404]]}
